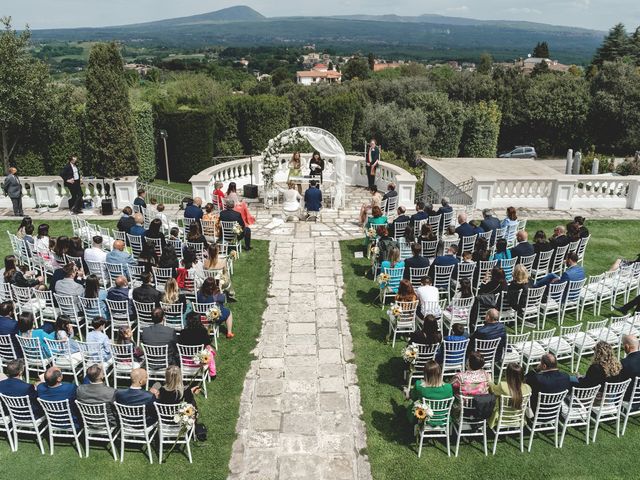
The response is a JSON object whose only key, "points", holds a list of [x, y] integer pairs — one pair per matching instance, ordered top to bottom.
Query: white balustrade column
{"points": [[200, 187], [406, 188], [43, 190], [126, 191], [483, 191], [562, 193], [633, 196]]}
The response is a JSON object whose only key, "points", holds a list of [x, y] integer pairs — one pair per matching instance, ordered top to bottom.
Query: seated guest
{"points": [[391, 191], [218, 195], [312, 198], [139, 200], [291, 200], [374, 201], [445, 208], [194, 209], [428, 209], [230, 215], [419, 215], [376, 218], [400, 218], [126, 220], [489, 222], [510, 223], [138, 227], [463, 229], [477, 229], [582, 230], [155, 231], [573, 231], [426, 234], [28, 235], [195, 235], [559, 237], [523, 248], [481, 251], [96, 252], [502, 253], [118, 256], [148, 257], [449, 258], [169, 259], [393, 260], [214, 261], [416, 261], [574, 272], [19, 275], [70, 285], [518, 288], [92, 290], [120, 292], [147, 293], [210, 293], [406, 293], [172, 294], [429, 298], [26, 323], [8, 325], [491, 330], [65, 331], [194, 333], [159, 334], [429, 334], [457, 334], [97, 336], [630, 363], [605, 367], [475, 379], [547, 379], [15, 386], [513, 386], [431, 387], [54, 390], [174, 391], [96, 392], [136, 395]]}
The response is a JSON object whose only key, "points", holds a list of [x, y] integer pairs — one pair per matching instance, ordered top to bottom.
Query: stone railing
{"points": [[239, 171], [49, 192], [562, 192]]}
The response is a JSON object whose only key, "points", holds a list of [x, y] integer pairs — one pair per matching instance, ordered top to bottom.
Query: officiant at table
{"points": [[316, 165]]}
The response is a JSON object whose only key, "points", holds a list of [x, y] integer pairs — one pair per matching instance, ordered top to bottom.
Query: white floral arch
{"points": [[323, 141]]}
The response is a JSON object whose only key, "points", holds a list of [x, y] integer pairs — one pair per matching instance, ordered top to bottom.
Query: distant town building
{"points": [[311, 47], [244, 62], [382, 65], [526, 65], [138, 67], [318, 74]]}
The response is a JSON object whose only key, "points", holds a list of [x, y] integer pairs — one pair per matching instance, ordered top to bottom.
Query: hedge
{"points": [[336, 113], [260, 118], [481, 130], [190, 142], [29, 164]]}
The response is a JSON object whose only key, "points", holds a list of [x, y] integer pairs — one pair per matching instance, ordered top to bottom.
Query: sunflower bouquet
{"points": [[238, 230], [371, 233], [374, 251], [233, 254], [383, 279], [394, 311], [213, 315], [410, 354], [202, 358], [421, 411], [185, 416]]}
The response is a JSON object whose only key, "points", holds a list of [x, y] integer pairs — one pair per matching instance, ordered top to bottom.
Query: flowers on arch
{"points": [[270, 161]]}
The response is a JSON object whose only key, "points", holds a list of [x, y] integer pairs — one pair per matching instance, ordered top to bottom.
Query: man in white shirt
{"points": [[95, 253], [429, 297]]}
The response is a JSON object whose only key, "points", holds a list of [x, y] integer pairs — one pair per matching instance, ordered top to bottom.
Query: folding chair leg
{"points": [[626, 419], [531, 440], [495, 442], [121, 447], [149, 453]]}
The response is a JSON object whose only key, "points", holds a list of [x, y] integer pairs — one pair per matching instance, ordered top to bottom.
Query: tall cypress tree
{"points": [[614, 46], [110, 134]]}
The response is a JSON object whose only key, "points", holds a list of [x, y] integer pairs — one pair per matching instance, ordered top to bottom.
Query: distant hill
{"points": [[421, 37]]}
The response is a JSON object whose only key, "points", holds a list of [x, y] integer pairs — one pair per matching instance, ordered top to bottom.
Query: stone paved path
{"points": [[299, 411]]}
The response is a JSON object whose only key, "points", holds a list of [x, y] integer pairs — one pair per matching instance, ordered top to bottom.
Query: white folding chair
{"points": [[398, 230], [229, 236], [135, 242], [468, 244], [429, 248], [582, 249], [527, 262], [557, 263], [541, 266], [99, 269], [116, 270], [136, 271], [416, 274], [161, 276], [442, 280], [391, 288], [590, 293], [572, 299], [25, 300], [553, 305], [46, 306], [69, 306], [91, 308], [531, 310], [457, 312], [143, 314], [173, 315], [120, 316], [405, 322], [213, 328], [585, 342], [563, 345], [7, 349], [534, 349], [489, 351], [513, 351], [426, 352], [92, 353], [454, 354], [62, 358], [36, 359], [123, 361], [156, 361], [190, 370], [609, 406], [631, 406], [578, 412], [546, 417], [23, 419], [511, 420], [60, 422], [468, 424], [438, 425], [97, 427], [134, 428], [170, 433]]}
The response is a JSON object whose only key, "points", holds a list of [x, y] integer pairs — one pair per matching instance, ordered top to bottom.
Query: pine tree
{"points": [[615, 46], [634, 48], [541, 50], [371, 60], [110, 134]]}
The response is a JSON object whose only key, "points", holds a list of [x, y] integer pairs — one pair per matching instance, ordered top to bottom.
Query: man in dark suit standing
{"points": [[372, 158], [71, 176], [13, 189], [312, 199], [230, 215], [523, 248], [416, 261], [159, 334], [630, 363], [547, 378], [15, 386], [96, 391], [135, 395]]}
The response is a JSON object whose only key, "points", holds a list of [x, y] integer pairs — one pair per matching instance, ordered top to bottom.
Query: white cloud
{"points": [[460, 9], [524, 11]]}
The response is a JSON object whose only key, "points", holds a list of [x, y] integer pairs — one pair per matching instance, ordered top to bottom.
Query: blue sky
{"points": [[598, 14]]}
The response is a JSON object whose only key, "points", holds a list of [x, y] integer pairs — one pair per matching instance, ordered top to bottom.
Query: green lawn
{"points": [[183, 187], [219, 412], [391, 445]]}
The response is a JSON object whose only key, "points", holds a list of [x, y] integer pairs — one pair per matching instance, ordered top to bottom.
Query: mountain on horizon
{"points": [[417, 37]]}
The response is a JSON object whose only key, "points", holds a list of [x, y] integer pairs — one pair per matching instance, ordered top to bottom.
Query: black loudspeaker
{"points": [[250, 191], [107, 206]]}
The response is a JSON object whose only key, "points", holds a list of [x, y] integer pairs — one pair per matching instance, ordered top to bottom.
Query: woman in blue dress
{"points": [[210, 293]]}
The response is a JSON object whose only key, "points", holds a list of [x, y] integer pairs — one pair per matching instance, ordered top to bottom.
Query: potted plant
{"points": [[41, 208], [53, 208]]}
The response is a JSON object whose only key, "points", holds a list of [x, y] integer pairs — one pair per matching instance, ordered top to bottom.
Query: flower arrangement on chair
{"points": [[238, 230], [371, 233], [394, 311], [213, 315], [410, 355], [202, 358], [422, 413], [185, 418]]}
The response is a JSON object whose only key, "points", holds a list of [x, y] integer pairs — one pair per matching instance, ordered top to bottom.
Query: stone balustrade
{"points": [[239, 171], [50, 192], [561, 192]]}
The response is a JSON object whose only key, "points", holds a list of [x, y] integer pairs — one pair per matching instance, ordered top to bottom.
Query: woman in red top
{"points": [[218, 195]]}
